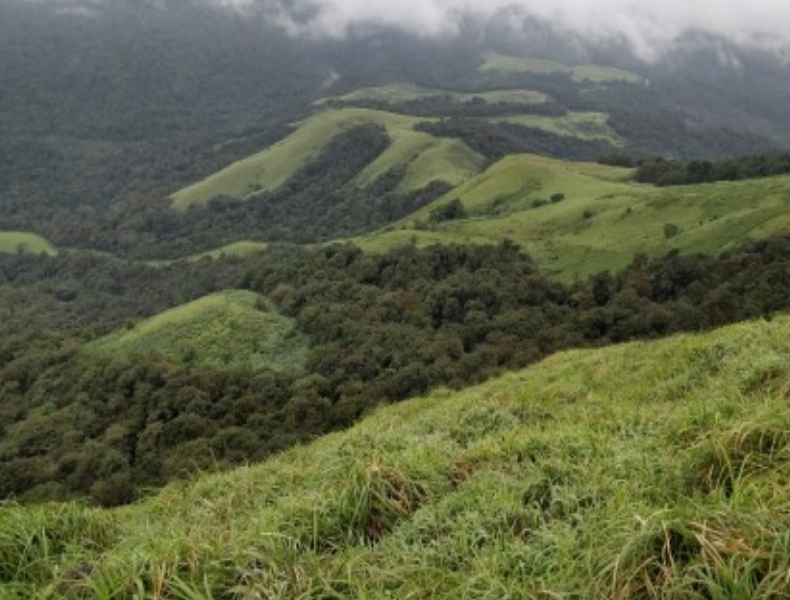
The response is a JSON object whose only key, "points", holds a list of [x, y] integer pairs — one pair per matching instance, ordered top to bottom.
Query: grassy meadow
{"points": [[598, 74], [398, 93], [580, 125], [425, 157], [603, 220], [16, 242], [232, 328], [647, 470]]}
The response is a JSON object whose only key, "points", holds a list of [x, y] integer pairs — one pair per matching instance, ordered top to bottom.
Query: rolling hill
{"points": [[589, 73], [424, 157], [603, 219], [14, 242], [232, 328], [644, 470]]}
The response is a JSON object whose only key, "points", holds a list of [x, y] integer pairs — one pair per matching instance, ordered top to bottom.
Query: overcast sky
{"points": [[646, 24]]}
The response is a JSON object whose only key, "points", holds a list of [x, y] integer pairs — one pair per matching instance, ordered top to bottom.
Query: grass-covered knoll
{"points": [[493, 61], [399, 93], [582, 125], [424, 157], [602, 220], [23, 242], [233, 328], [649, 470]]}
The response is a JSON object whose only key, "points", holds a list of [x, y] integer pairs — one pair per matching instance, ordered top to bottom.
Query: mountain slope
{"points": [[424, 157], [602, 219], [231, 328], [644, 470]]}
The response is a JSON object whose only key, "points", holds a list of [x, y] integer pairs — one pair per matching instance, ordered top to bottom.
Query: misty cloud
{"points": [[648, 26]]}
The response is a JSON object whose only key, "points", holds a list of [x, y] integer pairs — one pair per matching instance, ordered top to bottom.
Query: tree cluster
{"points": [[662, 172], [381, 329]]}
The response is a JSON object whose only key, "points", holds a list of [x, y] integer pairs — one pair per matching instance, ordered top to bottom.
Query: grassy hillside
{"points": [[493, 61], [397, 93], [581, 125], [425, 157], [603, 220], [13, 242], [223, 329], [640, 471]]}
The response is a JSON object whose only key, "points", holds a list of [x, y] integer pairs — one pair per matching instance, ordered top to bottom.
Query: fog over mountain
{"points": [[649, 27]]}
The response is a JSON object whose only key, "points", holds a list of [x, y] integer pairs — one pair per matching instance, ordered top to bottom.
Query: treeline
{"points": [[447, 106], [497, 140], [662, 172], [320, 202], [87, 294], [381, 329]]}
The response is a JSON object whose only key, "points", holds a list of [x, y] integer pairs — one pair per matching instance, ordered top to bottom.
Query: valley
{"points": [[496, 310]]}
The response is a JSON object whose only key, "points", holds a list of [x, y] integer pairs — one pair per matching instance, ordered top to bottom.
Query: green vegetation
{"points": [[579, 73], [396, 94], [581, 125], [425, 158], [605, 219], [21, 242], [241, 249], [233, 328], [120, 415], [641, 471]]}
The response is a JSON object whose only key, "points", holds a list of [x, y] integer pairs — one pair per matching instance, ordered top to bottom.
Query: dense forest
{"points": [[109, 110], [97, 128], [663, 172], [381, 329]]}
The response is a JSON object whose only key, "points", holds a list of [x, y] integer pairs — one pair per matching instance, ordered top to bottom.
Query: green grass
{"points": [[493, 61], [398, 93], [582, 125], [426, 157], [604, 220], [15, 242], [239, 249], [232, 328], [647, 470]]}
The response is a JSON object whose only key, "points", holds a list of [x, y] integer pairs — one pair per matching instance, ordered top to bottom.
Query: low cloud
{"points": [[648, 26]]}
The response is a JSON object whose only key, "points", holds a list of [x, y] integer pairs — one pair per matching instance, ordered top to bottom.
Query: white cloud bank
{"points": [[647, 25]]}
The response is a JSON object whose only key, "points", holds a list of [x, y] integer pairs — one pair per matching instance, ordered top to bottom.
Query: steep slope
{"points": [[424, 157], [602, 219], [644, 470]]}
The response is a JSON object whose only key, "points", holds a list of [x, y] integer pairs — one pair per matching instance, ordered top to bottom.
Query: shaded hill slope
{"points": [[645, 470]]}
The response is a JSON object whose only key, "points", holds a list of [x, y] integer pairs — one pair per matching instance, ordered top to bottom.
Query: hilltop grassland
{"points": [[598, 74], [399, 93], [580, 125], [424, 157], [602, 220], [16, 242], [232, 328], [648, 470]]}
